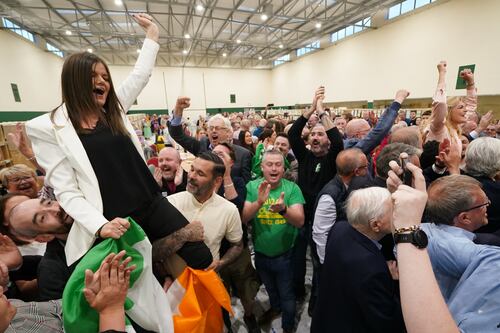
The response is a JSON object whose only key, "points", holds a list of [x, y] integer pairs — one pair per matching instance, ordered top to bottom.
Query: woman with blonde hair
{"points": [[448, 114], [20, 179]]}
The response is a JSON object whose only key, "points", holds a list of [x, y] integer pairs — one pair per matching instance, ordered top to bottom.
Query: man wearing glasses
{"points": [[219, 130], [467, 273]]}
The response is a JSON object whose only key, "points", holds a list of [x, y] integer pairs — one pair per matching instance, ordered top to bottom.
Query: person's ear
{"points": [[218, 181], [462, 218], [375, 225]]}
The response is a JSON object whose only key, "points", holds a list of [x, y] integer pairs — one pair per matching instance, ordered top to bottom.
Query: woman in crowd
{"points": [[448, 114], [147, 127], [200, 133], [245, 140], [94, 160], [20, 179]]}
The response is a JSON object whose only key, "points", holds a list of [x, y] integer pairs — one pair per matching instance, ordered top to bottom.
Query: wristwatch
{"points": [[416, 237]]}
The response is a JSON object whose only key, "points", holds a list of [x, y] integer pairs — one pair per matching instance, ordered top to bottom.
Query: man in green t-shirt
{"points": [[275, 207]]}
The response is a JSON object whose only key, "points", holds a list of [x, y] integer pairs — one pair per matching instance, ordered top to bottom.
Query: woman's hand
{"points": [[146, 23], [442, 67], [467, 75], [114, 228]]}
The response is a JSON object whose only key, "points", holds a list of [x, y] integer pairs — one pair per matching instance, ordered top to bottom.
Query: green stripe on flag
{"points": [[78, 316]]}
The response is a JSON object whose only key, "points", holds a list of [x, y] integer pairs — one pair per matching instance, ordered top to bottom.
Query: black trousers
{"points": [[158, 218]]}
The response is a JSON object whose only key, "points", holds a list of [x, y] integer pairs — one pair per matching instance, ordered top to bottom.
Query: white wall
{"points": [[402, 54], [370, 65], [36, 73], [252, 87]]}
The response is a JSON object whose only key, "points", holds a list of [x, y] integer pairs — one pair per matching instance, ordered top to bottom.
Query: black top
{"points": [[242, 164], [314, 172], [124, 179], [167, 187], [239, 201], [53, 272], [357, 293]]}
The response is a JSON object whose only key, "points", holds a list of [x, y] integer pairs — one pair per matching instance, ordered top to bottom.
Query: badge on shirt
{"points": [[318, 167]]}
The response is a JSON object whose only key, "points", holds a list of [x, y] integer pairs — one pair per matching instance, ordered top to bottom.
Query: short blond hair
{"points": [[17, 170]]}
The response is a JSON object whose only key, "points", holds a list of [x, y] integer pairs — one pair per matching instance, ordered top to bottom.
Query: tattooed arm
{"points": [[165, 247], [232, 253]]}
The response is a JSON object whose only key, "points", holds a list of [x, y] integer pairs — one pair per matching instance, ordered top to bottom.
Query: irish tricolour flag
{"points": [[196, 298], [146, 303]]}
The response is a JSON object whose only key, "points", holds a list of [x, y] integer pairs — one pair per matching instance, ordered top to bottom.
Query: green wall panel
{"points": [[27, 115]]}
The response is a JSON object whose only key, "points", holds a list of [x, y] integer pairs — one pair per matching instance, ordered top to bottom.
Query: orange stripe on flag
{"points": [[200, 308]]}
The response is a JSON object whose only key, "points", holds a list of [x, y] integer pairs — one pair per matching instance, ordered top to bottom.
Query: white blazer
{"points": [[60, 152]]}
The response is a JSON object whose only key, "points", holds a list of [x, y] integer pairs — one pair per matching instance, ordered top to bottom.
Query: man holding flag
{"points": [[220, 219]]}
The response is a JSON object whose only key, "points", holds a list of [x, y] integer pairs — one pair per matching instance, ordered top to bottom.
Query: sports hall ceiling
{"points": [[193, 33]]}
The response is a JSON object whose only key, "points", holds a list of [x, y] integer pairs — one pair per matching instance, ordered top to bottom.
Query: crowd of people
{"points": [[401, 215]]}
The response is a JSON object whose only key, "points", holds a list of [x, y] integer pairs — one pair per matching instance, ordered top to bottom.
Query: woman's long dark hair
{"points": [[77, 94], [241, 139]]}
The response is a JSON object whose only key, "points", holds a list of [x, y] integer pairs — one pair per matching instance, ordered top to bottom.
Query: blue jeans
{"points": [[277, 275]]}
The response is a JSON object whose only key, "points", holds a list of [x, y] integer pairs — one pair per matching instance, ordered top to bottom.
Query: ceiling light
{"points": [[118, 2], [200, 7], [266, 12], [318, 25], [68, 32], [187, 36], [238, 41], [280, 46], [90, 50], [185, 51], [224, 54], [260, 57]]}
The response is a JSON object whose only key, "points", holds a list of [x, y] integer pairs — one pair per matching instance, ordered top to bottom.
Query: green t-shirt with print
{"points": [[272, 235]]}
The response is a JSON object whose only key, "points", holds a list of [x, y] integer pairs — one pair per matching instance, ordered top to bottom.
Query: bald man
{"points": [[360, 135], [408, 135], [169, 174], [330, 206]]}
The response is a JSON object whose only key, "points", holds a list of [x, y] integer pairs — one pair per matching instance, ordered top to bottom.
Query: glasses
{"points": [[216, 128], [17, 180], [479, 206]]}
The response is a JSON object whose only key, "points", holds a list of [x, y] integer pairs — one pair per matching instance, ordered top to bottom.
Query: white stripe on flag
{"points": [[151, 308]]}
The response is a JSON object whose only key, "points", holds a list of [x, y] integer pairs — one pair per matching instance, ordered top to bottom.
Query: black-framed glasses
{"points": [[478, 206]]}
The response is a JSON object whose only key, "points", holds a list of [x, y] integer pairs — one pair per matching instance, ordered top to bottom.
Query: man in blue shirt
{"points": [[467, 273]]}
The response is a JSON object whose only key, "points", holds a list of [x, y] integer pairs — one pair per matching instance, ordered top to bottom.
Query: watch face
{"points": [[420, 239]]}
